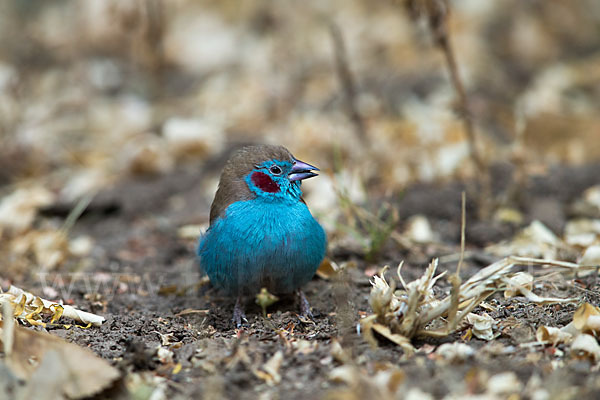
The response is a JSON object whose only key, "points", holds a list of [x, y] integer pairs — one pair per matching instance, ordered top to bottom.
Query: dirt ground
{"points": [[116, 118], [143, 281]]}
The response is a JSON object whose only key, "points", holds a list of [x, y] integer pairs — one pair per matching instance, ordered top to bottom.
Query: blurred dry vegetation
{"points": [[99, 87], [92, 92], [98, 95]]}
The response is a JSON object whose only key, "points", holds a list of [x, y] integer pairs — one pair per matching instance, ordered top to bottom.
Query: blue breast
{"points": [[262, 243]]}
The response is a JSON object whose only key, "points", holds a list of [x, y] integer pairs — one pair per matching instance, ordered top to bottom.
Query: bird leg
{"points": [[304, 305], [238, 313]]}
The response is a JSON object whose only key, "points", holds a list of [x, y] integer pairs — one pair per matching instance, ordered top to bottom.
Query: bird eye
{"points": [[275, 170]]}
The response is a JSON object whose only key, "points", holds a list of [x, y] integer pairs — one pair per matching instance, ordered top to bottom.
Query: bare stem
{"points": [[437, 12], [347, 81]]}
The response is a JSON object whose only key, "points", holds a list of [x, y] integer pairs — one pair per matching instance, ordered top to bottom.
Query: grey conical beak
{"points": [[302, 170]]}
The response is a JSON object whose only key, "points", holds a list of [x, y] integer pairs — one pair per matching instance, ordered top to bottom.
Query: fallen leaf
{"points": [[193, 136], [592, 196], [18, 209], [509, 216], [418, 229], [191, 231], [582, 232], [536, 240], [591, 256], [328, 269], [516, 282], [29, 307], [586, 319], [482, 325], [548, 334], [398, 339], [586, 346], [338, 352], [455, 352], [165, 356], [269, 371], [82, 373], [347, 374], [389, 377], [504, 383], [415, 393]]}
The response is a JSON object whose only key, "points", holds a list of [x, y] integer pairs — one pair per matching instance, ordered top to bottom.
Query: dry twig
{"points": [[437, 13], [347, 81]]}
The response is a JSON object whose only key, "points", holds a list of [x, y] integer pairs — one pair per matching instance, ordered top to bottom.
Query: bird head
{"points": [[265, 171], [279, 178]]}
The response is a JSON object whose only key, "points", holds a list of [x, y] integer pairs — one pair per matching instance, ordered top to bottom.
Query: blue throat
{"points": [[271, 241]]}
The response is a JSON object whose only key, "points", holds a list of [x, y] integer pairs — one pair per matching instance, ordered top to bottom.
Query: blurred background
{"points": [[96, 93], [117, 116]]}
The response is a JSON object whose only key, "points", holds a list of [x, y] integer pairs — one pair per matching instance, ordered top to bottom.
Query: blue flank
{"points": [[271, 241]]}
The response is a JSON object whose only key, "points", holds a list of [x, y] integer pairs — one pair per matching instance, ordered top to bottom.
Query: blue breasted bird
{"points": [[261, 232]]}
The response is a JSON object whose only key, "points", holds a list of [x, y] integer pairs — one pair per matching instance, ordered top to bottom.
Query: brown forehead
{"points": [[252, 155]]}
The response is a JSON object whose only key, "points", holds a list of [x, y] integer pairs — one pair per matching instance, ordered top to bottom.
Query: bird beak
{"points": [[302, 170]]}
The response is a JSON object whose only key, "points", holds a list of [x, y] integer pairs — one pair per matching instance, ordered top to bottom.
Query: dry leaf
{"points": [[188, 136], [147, 154], [84, 183], [592, 196], [18, 209], [508, 216], [418, 229], [191, 231], [582, 232], [536, 240], [81, 246], [50, 248], [591, 256], [328, 269], [516, 282], [534, 298], [30, 307], [587, 319], [482, 325], [548, 334], [167, 339], [400, 340], [302, 346], [586, 346], [338, 352], [455, 352], [165, 356], [269, 371], [84, 373], [344, 374], [390, 377], [384, 383], [504, 383], [43, 385], [146, 385], [415, 393]]}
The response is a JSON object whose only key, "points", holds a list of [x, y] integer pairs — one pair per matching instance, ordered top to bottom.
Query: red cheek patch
{"points": [[264, 182]]}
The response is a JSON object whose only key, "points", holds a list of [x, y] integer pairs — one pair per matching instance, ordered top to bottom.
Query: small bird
{"points": [[261, 233]]}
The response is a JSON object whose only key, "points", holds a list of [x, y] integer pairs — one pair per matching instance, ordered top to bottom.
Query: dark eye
{"points": [[275, 170]]}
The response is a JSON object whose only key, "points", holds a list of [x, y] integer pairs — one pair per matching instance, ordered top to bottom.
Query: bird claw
{"points": [[238, 314], [305, 314]]}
